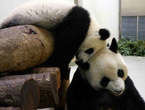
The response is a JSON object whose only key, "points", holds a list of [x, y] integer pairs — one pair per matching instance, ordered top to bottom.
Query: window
{"points": [[129, 27], [133, 27], [141, 28]]}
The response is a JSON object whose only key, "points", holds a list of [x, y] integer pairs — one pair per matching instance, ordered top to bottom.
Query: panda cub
{"points": [[74, 29], [102, 84]]}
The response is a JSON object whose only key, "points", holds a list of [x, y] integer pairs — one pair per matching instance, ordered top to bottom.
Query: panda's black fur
{"points": [[68, 34], [81, 96]]}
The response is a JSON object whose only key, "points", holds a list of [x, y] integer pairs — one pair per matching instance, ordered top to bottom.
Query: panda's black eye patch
{"points": [[108, 44], [89, 51], [120, 73], [104, 82]]}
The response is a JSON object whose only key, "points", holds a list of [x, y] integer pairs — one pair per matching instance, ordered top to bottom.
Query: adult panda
{"points": [[73, 28], [102, 84]]}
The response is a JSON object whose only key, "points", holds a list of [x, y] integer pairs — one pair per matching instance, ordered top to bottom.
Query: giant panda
{"points": [[74, 29], [102, 83]]}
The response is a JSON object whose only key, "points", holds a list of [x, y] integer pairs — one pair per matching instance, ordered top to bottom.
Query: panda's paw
{"points": [[84, 66]]}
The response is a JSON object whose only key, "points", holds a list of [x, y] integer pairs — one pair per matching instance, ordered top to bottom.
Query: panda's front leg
{"points": [[76, 94], [134, 100]]}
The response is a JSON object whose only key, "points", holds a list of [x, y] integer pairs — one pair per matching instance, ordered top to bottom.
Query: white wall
{"points": [[6, 6], [133, 7], [105, 11]]}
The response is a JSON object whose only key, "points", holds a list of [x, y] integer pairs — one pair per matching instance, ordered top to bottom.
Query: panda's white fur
{"points": [[42, 13], [109, 41]]}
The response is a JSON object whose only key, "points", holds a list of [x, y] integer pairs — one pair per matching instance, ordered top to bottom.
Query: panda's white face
{"points": [[95, 40], [89, 47], [107, 70]]}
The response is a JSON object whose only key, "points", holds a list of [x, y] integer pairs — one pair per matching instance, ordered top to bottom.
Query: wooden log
{"points": [[22, 47], [52, 70], [47, 83], [62, 93], [30, 95], [9, 108]]}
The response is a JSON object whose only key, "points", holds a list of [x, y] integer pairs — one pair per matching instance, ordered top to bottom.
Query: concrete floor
{"points": [[136, 67], [136, 70]]}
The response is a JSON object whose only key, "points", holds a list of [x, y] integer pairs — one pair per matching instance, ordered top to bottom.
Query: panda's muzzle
{"points": [[116, 87]]}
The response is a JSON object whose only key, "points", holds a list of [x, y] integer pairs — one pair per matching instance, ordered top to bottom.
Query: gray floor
{"points": [[136, 67], [136, 70]]}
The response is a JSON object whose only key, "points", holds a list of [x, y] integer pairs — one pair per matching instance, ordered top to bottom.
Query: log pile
{"points": [[21, 88], [41, 88], [9, 108]]}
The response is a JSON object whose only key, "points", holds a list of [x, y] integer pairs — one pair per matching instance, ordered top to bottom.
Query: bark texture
{"points": [[22, 47]]}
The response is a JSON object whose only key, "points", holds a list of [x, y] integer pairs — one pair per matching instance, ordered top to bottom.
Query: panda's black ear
{"points": [[104, 33], [114, 46], [84, 66]]}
